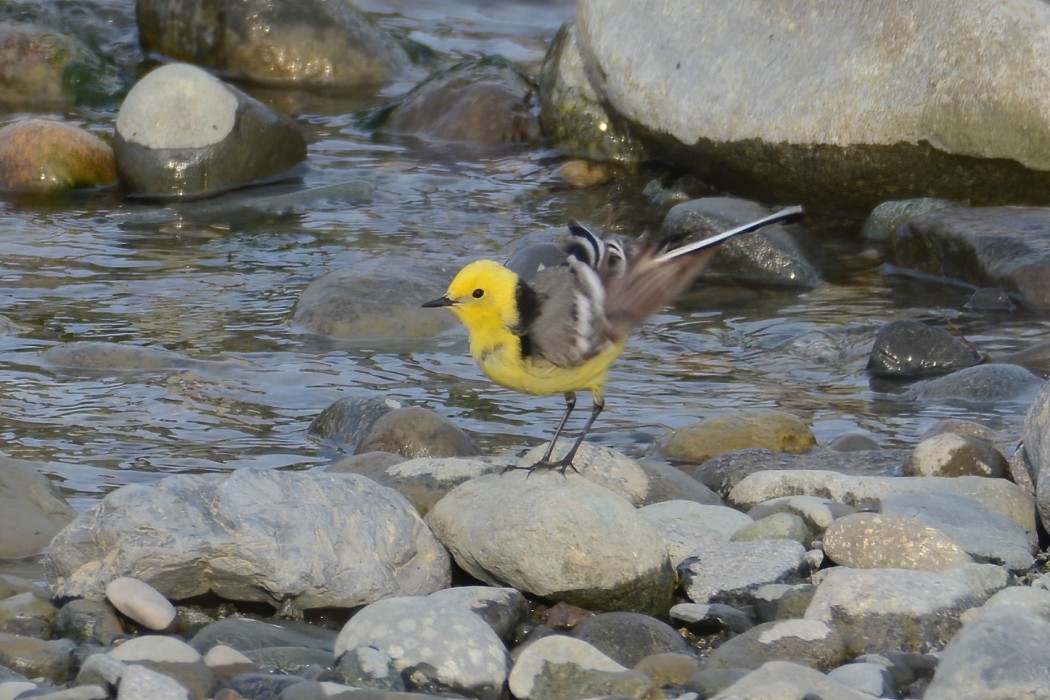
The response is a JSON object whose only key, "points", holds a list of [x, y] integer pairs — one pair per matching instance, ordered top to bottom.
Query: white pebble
{"points": [[141, 602], [221, 655]]}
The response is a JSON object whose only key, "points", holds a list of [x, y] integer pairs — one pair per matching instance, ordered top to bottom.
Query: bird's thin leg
{"points": [[570, 403], [566, 461]]}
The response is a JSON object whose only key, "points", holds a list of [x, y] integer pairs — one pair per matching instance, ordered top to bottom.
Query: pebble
{"points": [[776, 526], [141, 602], [711, 618], [628, 637], [809, 642], [785, 679], [139, 682]]}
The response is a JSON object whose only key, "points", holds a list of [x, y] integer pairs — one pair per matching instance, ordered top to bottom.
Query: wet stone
{"points": [[914, 349], [756, 428], [416, 432], [949, 454], [83, 619], [627, 637], [37, 658]]}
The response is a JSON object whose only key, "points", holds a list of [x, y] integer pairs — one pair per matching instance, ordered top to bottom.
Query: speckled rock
{"points": [[873, 540], [437, 646]]}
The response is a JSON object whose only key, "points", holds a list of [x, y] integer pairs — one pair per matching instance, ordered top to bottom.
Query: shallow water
{"points": [[217, 281]]}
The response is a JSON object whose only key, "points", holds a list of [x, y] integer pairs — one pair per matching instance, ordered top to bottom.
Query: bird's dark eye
{"points": [[478, 293]]}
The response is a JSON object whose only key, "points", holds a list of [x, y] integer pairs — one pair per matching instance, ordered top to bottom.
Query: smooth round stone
{"points": [[43, 156], [914, 349], [774, 430], [949, 454], [776, 526], [141, 602], [82, 619], [629, 637], [226, 662], [559, 666], [139, 682]]}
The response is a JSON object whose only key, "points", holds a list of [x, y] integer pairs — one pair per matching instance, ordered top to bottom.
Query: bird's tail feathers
{"points": [[782, 215]]}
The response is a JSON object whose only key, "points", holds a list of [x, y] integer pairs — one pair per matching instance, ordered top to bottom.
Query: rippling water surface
{"points": [[216, 281]]}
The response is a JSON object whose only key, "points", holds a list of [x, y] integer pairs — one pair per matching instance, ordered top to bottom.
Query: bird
{"points": [[557, 329]]}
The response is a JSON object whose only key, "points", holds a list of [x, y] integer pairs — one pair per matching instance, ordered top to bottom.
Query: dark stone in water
{"points": [[913, 349]]}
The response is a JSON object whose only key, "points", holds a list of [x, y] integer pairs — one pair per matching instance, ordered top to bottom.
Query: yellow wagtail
{"points": [[558, 331]]}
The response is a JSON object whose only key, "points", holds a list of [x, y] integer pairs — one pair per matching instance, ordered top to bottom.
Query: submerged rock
{"points": [[42, 156]]}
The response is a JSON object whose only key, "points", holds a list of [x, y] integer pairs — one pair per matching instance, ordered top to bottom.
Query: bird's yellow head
{"points": [[482, 295]]}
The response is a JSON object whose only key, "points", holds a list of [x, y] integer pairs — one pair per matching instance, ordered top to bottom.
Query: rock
{"points": [[318, 43], [45, 68], [481, 102], [742, 110], [572, 113], [181, 132], [44, 156], [580, 174], [889, 216], [1003, 247], [769, 257], [372, 299], [992, 299], [909, 349], [102, 355], [983, 385], [347, 421], [966, 428], [774, 430], [414, 431], [852, 442], [1036, 451], [724, 472], [425, 480], [640, 482], [866, 492], [34, 510], [817, 513], [686, 524], [777, 526], [984, 534], [556, 537], [217, 538], [872, 540], [730, 572], [781, 601], [141, 602], [501, 608], [885, 610], [27, 614], [714, 618], [82, 620], [245, 634], [627, 637], [808, 642], [437, 647], [1003, 652], [168, 656], [37, 658], [299, 661], [227, 662], [368, 667], [563, 667], [669, 668], [101, 669], [870, 678], [783, 679], [140, 682], [261, 685]]}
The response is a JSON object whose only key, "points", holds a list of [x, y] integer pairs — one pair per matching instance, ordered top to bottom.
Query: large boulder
{"points": [[788, 101], [296, 539]]}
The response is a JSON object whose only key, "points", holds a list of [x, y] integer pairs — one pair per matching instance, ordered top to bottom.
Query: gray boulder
{"points": [[783, 102], [34, 511], [562, 538], [295, 539], [731, 572]]}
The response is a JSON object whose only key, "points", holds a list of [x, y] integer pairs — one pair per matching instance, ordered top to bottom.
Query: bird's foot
{"points": [[562, 465]]}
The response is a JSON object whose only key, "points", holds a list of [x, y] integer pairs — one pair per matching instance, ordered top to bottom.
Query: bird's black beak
{"points": [[440, 301]]}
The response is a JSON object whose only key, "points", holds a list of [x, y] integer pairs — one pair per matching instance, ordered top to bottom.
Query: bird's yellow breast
{"points": [[503, 364]]}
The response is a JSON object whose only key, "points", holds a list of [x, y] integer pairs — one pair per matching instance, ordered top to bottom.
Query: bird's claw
{"points": [[562, 465]]}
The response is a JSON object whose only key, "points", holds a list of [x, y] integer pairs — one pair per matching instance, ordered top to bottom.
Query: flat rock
{"points": [[867, 492], [687, 524], [345, 540], [730, 572], [889, 610]]}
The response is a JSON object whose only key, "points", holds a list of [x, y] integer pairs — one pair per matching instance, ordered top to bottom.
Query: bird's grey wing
{"points": [[569, 326]]}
